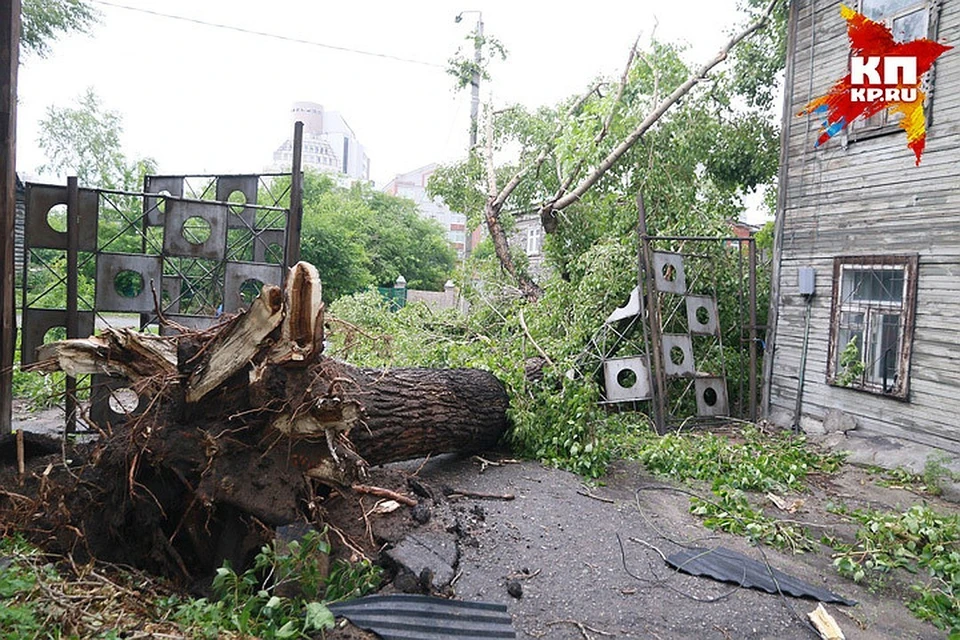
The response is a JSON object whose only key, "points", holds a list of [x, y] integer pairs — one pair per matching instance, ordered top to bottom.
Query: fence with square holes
{"points": [[189, 247], [672, 350]]}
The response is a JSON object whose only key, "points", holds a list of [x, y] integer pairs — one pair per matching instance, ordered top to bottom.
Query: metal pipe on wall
{"points": [[803, 363]]}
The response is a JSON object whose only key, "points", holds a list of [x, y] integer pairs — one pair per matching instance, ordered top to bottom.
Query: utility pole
{"points": [[9, 62], [475, 80], [475, 83], [474, 97]]}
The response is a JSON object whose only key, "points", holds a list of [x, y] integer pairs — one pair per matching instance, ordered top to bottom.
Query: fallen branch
{"points": [[620, 89], [549, 210], [536, 346], [384, 493], [453, 494], [592, 496], [523, 575], [825, 623]]}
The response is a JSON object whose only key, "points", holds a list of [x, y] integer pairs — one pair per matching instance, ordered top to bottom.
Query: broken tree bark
{"points": [[250, 423]]}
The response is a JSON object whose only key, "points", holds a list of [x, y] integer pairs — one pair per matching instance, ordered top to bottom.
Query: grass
{"points": [[283, 595]]}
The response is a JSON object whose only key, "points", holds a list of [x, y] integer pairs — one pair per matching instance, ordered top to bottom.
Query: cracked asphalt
{"points": [[561, 543]]}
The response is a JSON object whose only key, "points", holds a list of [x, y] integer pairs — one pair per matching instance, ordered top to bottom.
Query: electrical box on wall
{"points": [[806, 279]]}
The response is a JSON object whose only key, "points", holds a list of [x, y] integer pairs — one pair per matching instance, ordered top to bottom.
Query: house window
{"points": [[908, 20], [533, 241], [871, 333]]}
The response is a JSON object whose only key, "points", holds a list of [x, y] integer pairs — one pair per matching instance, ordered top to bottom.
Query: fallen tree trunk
{"points": [[250, 427]]}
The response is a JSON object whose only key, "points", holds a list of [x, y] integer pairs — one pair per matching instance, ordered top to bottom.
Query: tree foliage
{"points": [[43, 21], [758, 62], [463, 66], [652, 129], [84, 140], [693, 166], [358, 237]]}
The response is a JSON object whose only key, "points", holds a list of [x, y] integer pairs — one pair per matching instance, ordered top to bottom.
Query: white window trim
{"points": [[533, 241]]}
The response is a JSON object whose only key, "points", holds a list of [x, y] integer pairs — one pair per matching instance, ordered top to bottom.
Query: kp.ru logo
{"points": [[899, 73], [884, 74]]}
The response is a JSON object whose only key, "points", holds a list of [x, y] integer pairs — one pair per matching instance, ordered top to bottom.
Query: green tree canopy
{"points": [[43, 21], [84, 140], [693, 166], [358, 237]]}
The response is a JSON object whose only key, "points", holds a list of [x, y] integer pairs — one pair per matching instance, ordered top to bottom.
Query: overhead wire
{"points": [[265, 34]]}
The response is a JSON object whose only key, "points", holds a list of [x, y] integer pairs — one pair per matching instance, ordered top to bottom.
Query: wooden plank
{"points": [[9, 61], [930, 417]]}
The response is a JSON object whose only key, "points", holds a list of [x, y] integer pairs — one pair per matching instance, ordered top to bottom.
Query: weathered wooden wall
{"points": [[866, 197]]}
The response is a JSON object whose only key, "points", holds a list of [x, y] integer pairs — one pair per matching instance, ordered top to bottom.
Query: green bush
{"points": [[249, 604]]}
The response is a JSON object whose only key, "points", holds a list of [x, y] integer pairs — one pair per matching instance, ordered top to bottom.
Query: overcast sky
{"points": [[200, 99]]}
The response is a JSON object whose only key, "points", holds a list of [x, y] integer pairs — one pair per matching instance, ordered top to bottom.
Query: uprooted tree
{"points": [[596, 140], [248, 424]]}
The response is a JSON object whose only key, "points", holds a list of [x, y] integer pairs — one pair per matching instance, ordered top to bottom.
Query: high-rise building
{"points": [[329, 144], [413, 185]]}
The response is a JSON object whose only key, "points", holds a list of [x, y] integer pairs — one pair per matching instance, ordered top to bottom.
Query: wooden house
{"points": [[864, 327]]}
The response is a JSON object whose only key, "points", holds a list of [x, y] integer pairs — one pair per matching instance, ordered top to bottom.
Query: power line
{"points": [[265, 34]]}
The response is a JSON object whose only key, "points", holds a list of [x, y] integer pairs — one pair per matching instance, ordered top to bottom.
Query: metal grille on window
{"points": [[872, 299], [873, 323]]}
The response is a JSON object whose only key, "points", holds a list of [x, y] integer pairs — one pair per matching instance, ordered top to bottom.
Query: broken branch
{"points": [[549, 210], [384, 493], [463, 493]]}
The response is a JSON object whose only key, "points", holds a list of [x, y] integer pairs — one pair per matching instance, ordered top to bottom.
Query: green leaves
{"points": [[43, 21], [758, 61], [463, 66], [84, 140], [358, 238], [852, 366], [560, 424], [753, 461], [763, 462], [733, 513], [919, 540], [250, 605], [21, 609], [318, 617]]}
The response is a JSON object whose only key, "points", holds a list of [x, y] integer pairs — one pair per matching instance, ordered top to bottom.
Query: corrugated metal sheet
{"points": [[729, 566], [412, 617]]}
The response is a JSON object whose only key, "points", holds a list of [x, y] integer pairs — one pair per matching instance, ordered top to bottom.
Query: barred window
{"points": [[871, 333]]}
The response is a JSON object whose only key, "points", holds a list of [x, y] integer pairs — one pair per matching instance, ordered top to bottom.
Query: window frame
{"points": [[865, 129], [534, 237], [907, 309]]}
